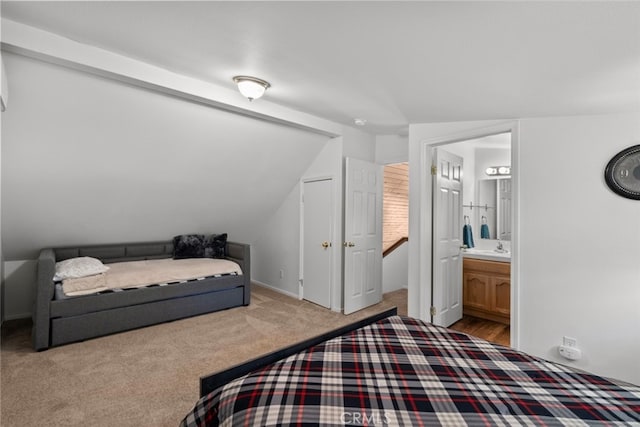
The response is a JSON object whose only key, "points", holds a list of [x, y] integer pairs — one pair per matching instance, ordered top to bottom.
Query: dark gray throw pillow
{"points": [[215, 245], [188, 246]]}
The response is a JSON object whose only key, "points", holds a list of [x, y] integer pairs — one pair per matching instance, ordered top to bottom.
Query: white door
{"points": [[363, 235], [447, 239], [317, 247]]}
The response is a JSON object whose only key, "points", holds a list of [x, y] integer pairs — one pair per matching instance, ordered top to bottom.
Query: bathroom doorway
{"points": [[486, 219]]}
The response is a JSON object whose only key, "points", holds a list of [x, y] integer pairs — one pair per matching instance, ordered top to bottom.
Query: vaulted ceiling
{"points": [[391, 63]]}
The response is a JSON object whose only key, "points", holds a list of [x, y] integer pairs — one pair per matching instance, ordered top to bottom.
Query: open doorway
{"points": [[395, 234], [477, 285]]}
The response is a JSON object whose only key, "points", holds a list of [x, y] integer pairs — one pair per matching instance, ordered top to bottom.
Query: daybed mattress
{"points": [[137, 274]]}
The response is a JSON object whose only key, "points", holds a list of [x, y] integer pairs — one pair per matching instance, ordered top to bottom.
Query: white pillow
{"points": [[78, 267]]}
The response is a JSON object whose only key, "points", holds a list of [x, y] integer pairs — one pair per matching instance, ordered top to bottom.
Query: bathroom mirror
{"points": [[494, 210]]}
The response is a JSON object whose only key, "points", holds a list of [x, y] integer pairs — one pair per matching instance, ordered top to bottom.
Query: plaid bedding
{"points": [[404, 372]]}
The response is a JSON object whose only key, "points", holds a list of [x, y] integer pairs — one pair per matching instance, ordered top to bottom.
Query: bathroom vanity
{"points": [[486, 282]]}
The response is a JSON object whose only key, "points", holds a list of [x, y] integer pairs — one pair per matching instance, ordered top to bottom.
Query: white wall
{"points": [[2, 77], [359, 144], [392, 149], [87, 160], [283, 228], [278, 246], [580, 269], [577, 271], [395, 274], [18, 288]]}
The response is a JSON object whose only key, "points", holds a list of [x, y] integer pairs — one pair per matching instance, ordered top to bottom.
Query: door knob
{"points": [[349, 244], [325, 245]]}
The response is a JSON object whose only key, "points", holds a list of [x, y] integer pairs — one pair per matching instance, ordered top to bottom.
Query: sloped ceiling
{"points": [[391, 63], [88, 160]]}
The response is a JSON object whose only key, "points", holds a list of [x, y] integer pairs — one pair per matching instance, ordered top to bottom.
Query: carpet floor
{"points": [[150, 376]]}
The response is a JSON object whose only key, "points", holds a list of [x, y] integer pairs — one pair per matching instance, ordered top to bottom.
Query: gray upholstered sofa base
{"points": [[57, 322]]}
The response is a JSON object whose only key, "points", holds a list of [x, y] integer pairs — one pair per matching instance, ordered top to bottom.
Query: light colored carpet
{"points": [[150, 376]]}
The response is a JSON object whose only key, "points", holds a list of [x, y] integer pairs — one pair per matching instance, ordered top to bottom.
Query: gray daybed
{"points": [[61, 321]]}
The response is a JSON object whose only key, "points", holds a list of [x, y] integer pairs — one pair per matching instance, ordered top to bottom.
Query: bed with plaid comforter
{"points": [[403, 372]]}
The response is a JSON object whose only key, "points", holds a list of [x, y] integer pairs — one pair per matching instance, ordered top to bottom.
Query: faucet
{"points": [[500, 248]]}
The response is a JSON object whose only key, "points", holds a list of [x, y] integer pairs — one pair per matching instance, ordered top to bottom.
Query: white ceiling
{"points": [[391, 63]]}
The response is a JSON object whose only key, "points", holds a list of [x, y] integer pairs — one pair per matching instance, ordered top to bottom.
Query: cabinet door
{"points": [[477, 291], [501, 295]]}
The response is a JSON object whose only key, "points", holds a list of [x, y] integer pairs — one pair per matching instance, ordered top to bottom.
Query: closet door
{"points": [[317, 247]]}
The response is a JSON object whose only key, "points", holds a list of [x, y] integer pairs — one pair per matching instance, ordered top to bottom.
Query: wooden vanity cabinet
{"points": [[487, 289]]}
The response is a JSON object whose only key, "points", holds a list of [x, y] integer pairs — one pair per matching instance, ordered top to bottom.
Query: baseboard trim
{"points": [[273, 288], [17, 316]]}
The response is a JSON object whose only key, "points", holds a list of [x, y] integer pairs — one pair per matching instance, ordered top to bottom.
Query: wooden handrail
{"points": [[395, 246]]}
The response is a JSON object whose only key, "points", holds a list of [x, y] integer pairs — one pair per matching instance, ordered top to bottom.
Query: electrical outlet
{"points": [[282, 274], [569, 342], [570, 353]]}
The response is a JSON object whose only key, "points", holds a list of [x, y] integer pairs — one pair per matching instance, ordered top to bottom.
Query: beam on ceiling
{"points": [[45, 46]]}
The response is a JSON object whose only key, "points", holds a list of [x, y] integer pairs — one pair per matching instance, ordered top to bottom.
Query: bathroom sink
{"points": [[488, 254]]}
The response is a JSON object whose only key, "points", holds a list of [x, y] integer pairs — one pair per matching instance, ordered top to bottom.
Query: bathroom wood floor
{"points": [[486, 329], [494, 332]]}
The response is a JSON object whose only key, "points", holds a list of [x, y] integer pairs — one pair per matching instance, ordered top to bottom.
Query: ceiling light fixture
{"points": [[251, 87], [360, 122]]}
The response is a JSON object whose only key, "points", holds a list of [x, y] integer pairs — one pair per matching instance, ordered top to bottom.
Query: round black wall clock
{"points": [[622, 173]]}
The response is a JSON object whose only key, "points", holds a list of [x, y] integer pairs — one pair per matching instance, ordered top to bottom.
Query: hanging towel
{"points": [[484, 232], [467, 236]]}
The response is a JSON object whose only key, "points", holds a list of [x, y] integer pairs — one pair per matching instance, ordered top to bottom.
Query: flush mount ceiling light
{"points": [[251, 87], [360, 122]]}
